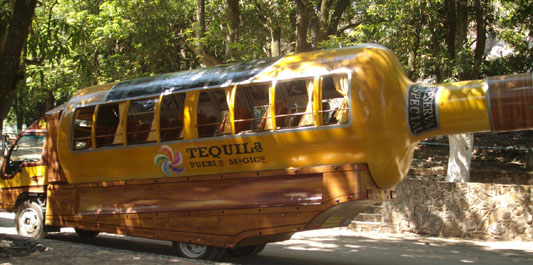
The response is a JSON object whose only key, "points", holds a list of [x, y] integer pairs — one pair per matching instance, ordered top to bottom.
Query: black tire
{"points": [[29, 220], [86, 233], [245, 251], [199, 252]]}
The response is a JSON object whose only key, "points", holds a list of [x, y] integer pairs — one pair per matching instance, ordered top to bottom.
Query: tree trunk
{"points": [[200, 19], [335, 19], [234, 21], [323, 21], [417, 22], [302, 24], [456, 24], [461, 24], [450, 25], [273, 27], [457, 29], [17, 33], [481, 33], [275, 42], [201, 51], [411, 63], [49, 101], [5, 106], [19, 111], [461, 146]]}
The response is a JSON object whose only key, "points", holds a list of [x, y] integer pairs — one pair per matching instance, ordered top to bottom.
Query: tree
{"points": [[273, 15], [16, 21], [316, 21], [457, 21], [233, 23], [302, 25], [74, 44], [207, 58], [461, 147]]}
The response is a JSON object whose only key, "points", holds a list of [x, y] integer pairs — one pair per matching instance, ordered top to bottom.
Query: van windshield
{"points": [[28, 148]]}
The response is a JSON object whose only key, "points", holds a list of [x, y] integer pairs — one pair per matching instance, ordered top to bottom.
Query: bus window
{"points": [[292, 101], [251, 103], [334, 104], [213, 115], [171, 117], [107, 121], [139, 128], [81, 129]]}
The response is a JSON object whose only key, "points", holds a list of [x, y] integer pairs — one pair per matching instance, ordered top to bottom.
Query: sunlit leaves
{"points": [[77, 43]]}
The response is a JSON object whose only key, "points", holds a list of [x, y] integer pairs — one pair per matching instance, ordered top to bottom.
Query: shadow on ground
{"points": [[339, 249]]}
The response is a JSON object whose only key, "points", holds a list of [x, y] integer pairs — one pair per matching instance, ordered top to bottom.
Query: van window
{"points": [[251, 103], [294, 103], [334, 103], [213, 115], [171, 117], [107, 121], [140, 125], [81, 128], [28, 148]]}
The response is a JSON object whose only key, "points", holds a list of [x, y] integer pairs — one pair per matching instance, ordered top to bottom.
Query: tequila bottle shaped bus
{"points": [[226, 159]]}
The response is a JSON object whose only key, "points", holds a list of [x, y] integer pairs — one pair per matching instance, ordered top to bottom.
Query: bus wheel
{"points": [[29, 220], [86, 233], [193, 251], [246, 251]]}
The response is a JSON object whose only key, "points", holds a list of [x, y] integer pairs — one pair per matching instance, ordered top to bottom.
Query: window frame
{"points": [[189, 131], [130, 135], [90, 138], [22, 164]]}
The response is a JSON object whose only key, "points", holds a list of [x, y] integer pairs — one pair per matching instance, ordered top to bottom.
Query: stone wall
{"points": [[465, 210]]}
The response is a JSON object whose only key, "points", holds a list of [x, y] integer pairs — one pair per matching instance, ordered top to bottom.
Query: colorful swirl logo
{"points": [[170, 161]]}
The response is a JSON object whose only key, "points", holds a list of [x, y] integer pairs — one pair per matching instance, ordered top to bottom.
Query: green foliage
{"points": [[75, 43]]}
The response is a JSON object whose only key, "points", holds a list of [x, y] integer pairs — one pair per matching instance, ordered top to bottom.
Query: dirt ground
{"points": [[328, 246], [334, 247]]}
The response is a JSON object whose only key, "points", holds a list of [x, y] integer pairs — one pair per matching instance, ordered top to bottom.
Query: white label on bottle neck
{"points": [[422, 109]]}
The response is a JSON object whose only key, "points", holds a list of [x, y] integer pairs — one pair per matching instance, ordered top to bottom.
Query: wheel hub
{"points": [[29, 221], [192, 250]]}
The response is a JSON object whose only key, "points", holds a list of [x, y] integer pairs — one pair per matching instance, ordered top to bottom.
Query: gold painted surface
{"points": [[463, 107], [377, 133], [29, 176]]}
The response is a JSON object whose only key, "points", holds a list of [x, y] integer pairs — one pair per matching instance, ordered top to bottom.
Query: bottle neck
{"points": [[503, 103]]}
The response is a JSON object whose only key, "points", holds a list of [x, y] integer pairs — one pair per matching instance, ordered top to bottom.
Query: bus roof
{"points": [[264, 70], [222, 75]]}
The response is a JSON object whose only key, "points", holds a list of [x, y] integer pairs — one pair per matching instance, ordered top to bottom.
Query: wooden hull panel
{"points": [[220, 210]]}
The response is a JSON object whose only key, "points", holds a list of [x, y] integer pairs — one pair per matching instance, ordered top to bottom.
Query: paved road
{"points": [[315, 247]]}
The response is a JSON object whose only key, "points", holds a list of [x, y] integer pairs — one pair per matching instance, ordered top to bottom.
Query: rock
{"points": [[470, 210], [17, 246]]}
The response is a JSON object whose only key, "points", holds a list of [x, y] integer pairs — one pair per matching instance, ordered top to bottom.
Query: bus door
{"points": [[23, 165]]}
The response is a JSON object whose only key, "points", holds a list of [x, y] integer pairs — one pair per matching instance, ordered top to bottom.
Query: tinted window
{"points": [[251, 103], [213, 116], [171, 118], [107, 121], [139, 128]]}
